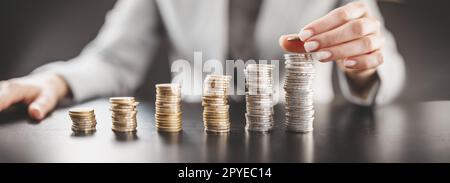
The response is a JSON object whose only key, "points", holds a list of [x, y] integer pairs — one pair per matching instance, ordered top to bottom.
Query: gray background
{"points": [[36, 32]]}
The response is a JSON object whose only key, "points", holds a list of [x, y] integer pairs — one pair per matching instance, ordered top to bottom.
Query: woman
{"points": [[368, 67]]}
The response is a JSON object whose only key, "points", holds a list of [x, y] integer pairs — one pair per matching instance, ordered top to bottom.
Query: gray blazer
{"points": [[116, 61]]}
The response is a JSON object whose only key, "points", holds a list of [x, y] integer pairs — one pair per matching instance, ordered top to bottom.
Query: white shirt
{"points": [[116, 61]]}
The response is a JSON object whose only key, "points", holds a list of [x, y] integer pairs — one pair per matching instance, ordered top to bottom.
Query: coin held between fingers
{"points": [[291, 43]]}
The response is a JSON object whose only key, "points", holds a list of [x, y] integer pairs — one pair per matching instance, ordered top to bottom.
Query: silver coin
{"points": [[298, 86], [259, 97]]}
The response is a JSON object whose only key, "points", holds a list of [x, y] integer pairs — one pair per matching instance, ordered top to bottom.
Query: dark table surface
{"points": [[418, 132]]}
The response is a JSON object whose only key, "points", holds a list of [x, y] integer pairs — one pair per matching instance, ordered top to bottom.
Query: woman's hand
{"points": [[348, 35], [41, 92]]}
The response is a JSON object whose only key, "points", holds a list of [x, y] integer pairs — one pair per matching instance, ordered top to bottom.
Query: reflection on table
{"points": [[343, 132]]}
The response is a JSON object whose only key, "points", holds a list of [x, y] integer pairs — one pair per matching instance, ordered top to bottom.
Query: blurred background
{"points": [[33, 33]]}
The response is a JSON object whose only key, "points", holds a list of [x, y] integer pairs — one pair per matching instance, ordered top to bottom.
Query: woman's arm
{"points": [[116, 61], [112, 64], [386, 84]]}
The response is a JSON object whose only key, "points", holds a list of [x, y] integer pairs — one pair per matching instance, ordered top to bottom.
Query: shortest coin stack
{"points": [[215, 103], [168, 109], [123, 114], [83, 120]]}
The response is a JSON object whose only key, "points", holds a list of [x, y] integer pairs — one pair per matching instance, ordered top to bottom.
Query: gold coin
{"points": [[168, 107], [81, 110], [124, 111], [83, 119]]}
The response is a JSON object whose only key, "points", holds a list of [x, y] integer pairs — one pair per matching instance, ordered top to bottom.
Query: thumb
{"points": [[43, 104]]}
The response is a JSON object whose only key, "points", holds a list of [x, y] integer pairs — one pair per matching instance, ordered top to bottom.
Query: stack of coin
{"points": [[300, 73], [215, 103], [259, 105], [168, 108], [123, 114], [83, 120]]}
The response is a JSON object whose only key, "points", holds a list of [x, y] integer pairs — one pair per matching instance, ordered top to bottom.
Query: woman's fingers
{"points": [[334, 19], [350, 31], [291, 43], [353, 48], [367, 61], [12, 92], [40, 92], [6, 96], [43, 104]]}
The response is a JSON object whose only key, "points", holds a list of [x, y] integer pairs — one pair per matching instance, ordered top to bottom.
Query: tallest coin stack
{"points": [[300, 73]]}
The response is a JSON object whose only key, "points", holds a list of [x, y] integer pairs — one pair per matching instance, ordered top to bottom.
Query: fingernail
{"points": [[305, 34], [311, 46], [322, 55], [349, 63], [37, 112], [40, 114]]}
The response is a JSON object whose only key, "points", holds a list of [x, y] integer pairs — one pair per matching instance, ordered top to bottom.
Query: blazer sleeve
{"points": [[115, 62], [391, 74]]}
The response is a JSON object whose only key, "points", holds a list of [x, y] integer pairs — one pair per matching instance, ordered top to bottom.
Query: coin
{"points": [[300, 73], [258, 97], [215, 103], [168, 115], [123, 116], [83, 120]]}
